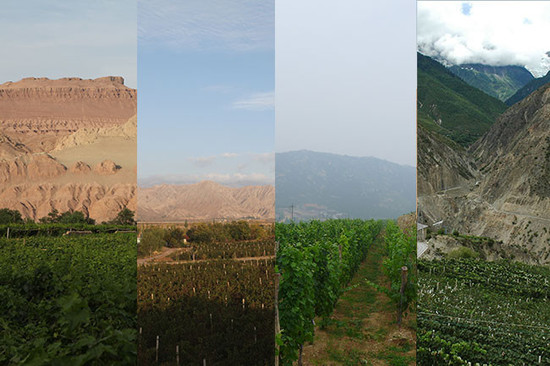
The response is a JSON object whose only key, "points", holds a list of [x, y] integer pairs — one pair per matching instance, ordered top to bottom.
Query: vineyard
{"points": [[27, 230], [229, 250], [316, 261], [68, 300], [214, 312], [488, 313]]}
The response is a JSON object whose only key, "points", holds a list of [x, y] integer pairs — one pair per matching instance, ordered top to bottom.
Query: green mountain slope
{"points": [[498, 81], [528, 89], [451, 107]]}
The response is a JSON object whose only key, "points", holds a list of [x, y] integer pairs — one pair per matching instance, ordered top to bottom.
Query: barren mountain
{"points": [[37, 110], [88, 136], [68, 144], [508, 197], [205, 201]]}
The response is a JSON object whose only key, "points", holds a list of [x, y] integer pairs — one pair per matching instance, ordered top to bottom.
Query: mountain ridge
{"points": [[498, 81], [52, 132], [325, 185], [205, 200]]}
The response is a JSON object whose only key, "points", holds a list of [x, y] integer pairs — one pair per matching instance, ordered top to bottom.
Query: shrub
{"points": [[462, 252]]}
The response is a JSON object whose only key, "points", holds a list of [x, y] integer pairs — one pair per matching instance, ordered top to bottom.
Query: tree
{"points": [[8, 216], [52, 217], [74, 217], [124, 217], [239, 230], [201, 233], [174, 237], [151, 241]]}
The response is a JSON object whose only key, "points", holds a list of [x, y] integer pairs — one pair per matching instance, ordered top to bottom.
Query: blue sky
{"points": [[77, 38], [206, 92]]}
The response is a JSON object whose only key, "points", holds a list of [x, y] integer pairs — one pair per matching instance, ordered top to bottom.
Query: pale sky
{"points": [[496, 33], [76, 38], [346, 78], [206, 97]]}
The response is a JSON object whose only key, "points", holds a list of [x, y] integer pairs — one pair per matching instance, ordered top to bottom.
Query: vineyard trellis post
{"points": [[404, 271], [157, 351], [178, 355]]}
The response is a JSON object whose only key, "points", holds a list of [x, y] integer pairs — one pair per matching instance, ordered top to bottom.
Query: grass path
{"points": [[362, 329]]}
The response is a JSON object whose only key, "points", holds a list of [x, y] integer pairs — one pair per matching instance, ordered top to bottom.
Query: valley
{"points": [[497, 186]]}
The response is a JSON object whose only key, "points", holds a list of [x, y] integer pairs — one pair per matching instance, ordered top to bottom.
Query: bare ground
{"points": [[362, 329]]}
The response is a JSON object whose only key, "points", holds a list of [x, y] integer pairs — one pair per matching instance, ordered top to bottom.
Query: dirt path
{"points": [[166, 252], [267, 257], [363, 330]]}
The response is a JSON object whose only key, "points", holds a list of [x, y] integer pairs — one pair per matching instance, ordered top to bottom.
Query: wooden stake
{"points": [[404, 271], [157, 351]]}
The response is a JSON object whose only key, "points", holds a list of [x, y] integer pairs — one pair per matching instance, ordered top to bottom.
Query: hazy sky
{"points": [[489, 32], [60, 38], [346, 77], [206, 91]]}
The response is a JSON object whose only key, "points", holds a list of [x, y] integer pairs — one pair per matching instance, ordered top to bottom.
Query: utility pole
{"points": [[292, 212]]}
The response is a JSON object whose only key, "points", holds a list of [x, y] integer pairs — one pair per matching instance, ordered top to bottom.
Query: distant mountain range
{"points": [[498, 81], [322, 185], [205, 200]]}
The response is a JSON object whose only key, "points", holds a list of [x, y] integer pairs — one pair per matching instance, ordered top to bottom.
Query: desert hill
{"points": [[68, 144], [205, 200]]}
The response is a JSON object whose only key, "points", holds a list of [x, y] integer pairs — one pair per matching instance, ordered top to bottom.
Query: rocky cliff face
{"points": [[52, 132], [442, 164], [508, 198], [205, 201]]}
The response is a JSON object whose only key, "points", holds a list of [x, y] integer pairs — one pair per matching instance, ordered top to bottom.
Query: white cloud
{"points": [[213, 24], [494, 32], [256, 102], [229, 155], [206, 161]]}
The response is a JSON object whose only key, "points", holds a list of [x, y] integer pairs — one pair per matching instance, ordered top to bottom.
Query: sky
{"points": [[495, 33], [77, 38], [346, 78], [206, 92]]}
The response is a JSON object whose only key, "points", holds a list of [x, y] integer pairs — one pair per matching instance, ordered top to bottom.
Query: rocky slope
{"points": [[68, 144], [508, 198], [205, 201]]}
